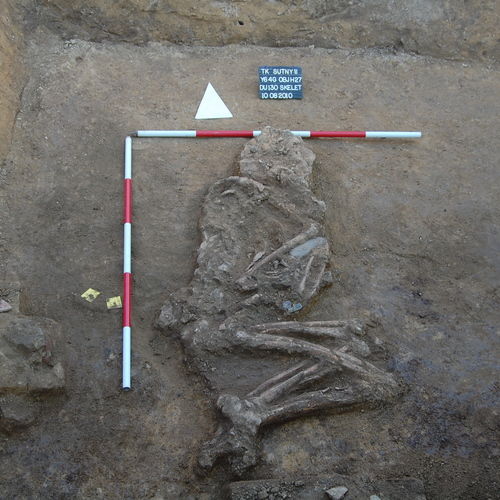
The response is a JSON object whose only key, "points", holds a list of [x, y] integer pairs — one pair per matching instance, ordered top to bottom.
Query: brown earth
{"points": [[442, 28], [11, 73], [413, 227]]}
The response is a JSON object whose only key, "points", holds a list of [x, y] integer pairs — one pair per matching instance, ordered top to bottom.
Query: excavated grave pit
{"points": [[412, 226]]}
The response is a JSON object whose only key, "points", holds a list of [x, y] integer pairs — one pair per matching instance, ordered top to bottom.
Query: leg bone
{"points": [[292, 345], [276, 379], [295, 381], [313, 402]]}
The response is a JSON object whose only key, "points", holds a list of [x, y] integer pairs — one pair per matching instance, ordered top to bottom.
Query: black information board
{"points": [[280, 82]]}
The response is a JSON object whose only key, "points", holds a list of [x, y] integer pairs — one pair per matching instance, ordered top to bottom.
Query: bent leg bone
{"points": [[264, 256], [261, 405]]}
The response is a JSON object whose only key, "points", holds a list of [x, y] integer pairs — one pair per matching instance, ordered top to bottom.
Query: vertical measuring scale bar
{"points": [[127, 265]]}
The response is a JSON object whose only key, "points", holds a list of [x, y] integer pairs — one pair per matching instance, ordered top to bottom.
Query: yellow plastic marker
{"points": [[90, 295], [114, 302]]}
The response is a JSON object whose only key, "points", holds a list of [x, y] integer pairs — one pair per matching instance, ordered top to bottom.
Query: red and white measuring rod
{"points": [[366, 134], [127, 205], [127, 265]]}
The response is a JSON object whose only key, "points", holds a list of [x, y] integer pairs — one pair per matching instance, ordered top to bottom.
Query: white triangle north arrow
{"points": [[212, 106]]}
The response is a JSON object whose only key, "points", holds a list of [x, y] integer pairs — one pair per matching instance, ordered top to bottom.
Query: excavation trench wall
{"points": [[440, 28], [464, 30]]}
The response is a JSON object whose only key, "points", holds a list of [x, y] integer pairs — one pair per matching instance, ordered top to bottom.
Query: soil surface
{"points": [[453, 30], [11, 73], [413, 227]]}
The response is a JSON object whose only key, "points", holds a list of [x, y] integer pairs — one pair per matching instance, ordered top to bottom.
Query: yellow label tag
{"points": [[90, 295], [114, 302]]}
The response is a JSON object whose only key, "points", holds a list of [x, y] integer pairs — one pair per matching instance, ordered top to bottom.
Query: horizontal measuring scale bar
{"points": [[300, 133]]}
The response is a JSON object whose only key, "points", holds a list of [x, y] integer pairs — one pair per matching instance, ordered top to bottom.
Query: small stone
{"points": [[247, 283], [253, 300], [4, 306], [291, 308], [28, 336], [28, 363], [16, 412], [337, 493], [262, 495], [375, 497]]}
